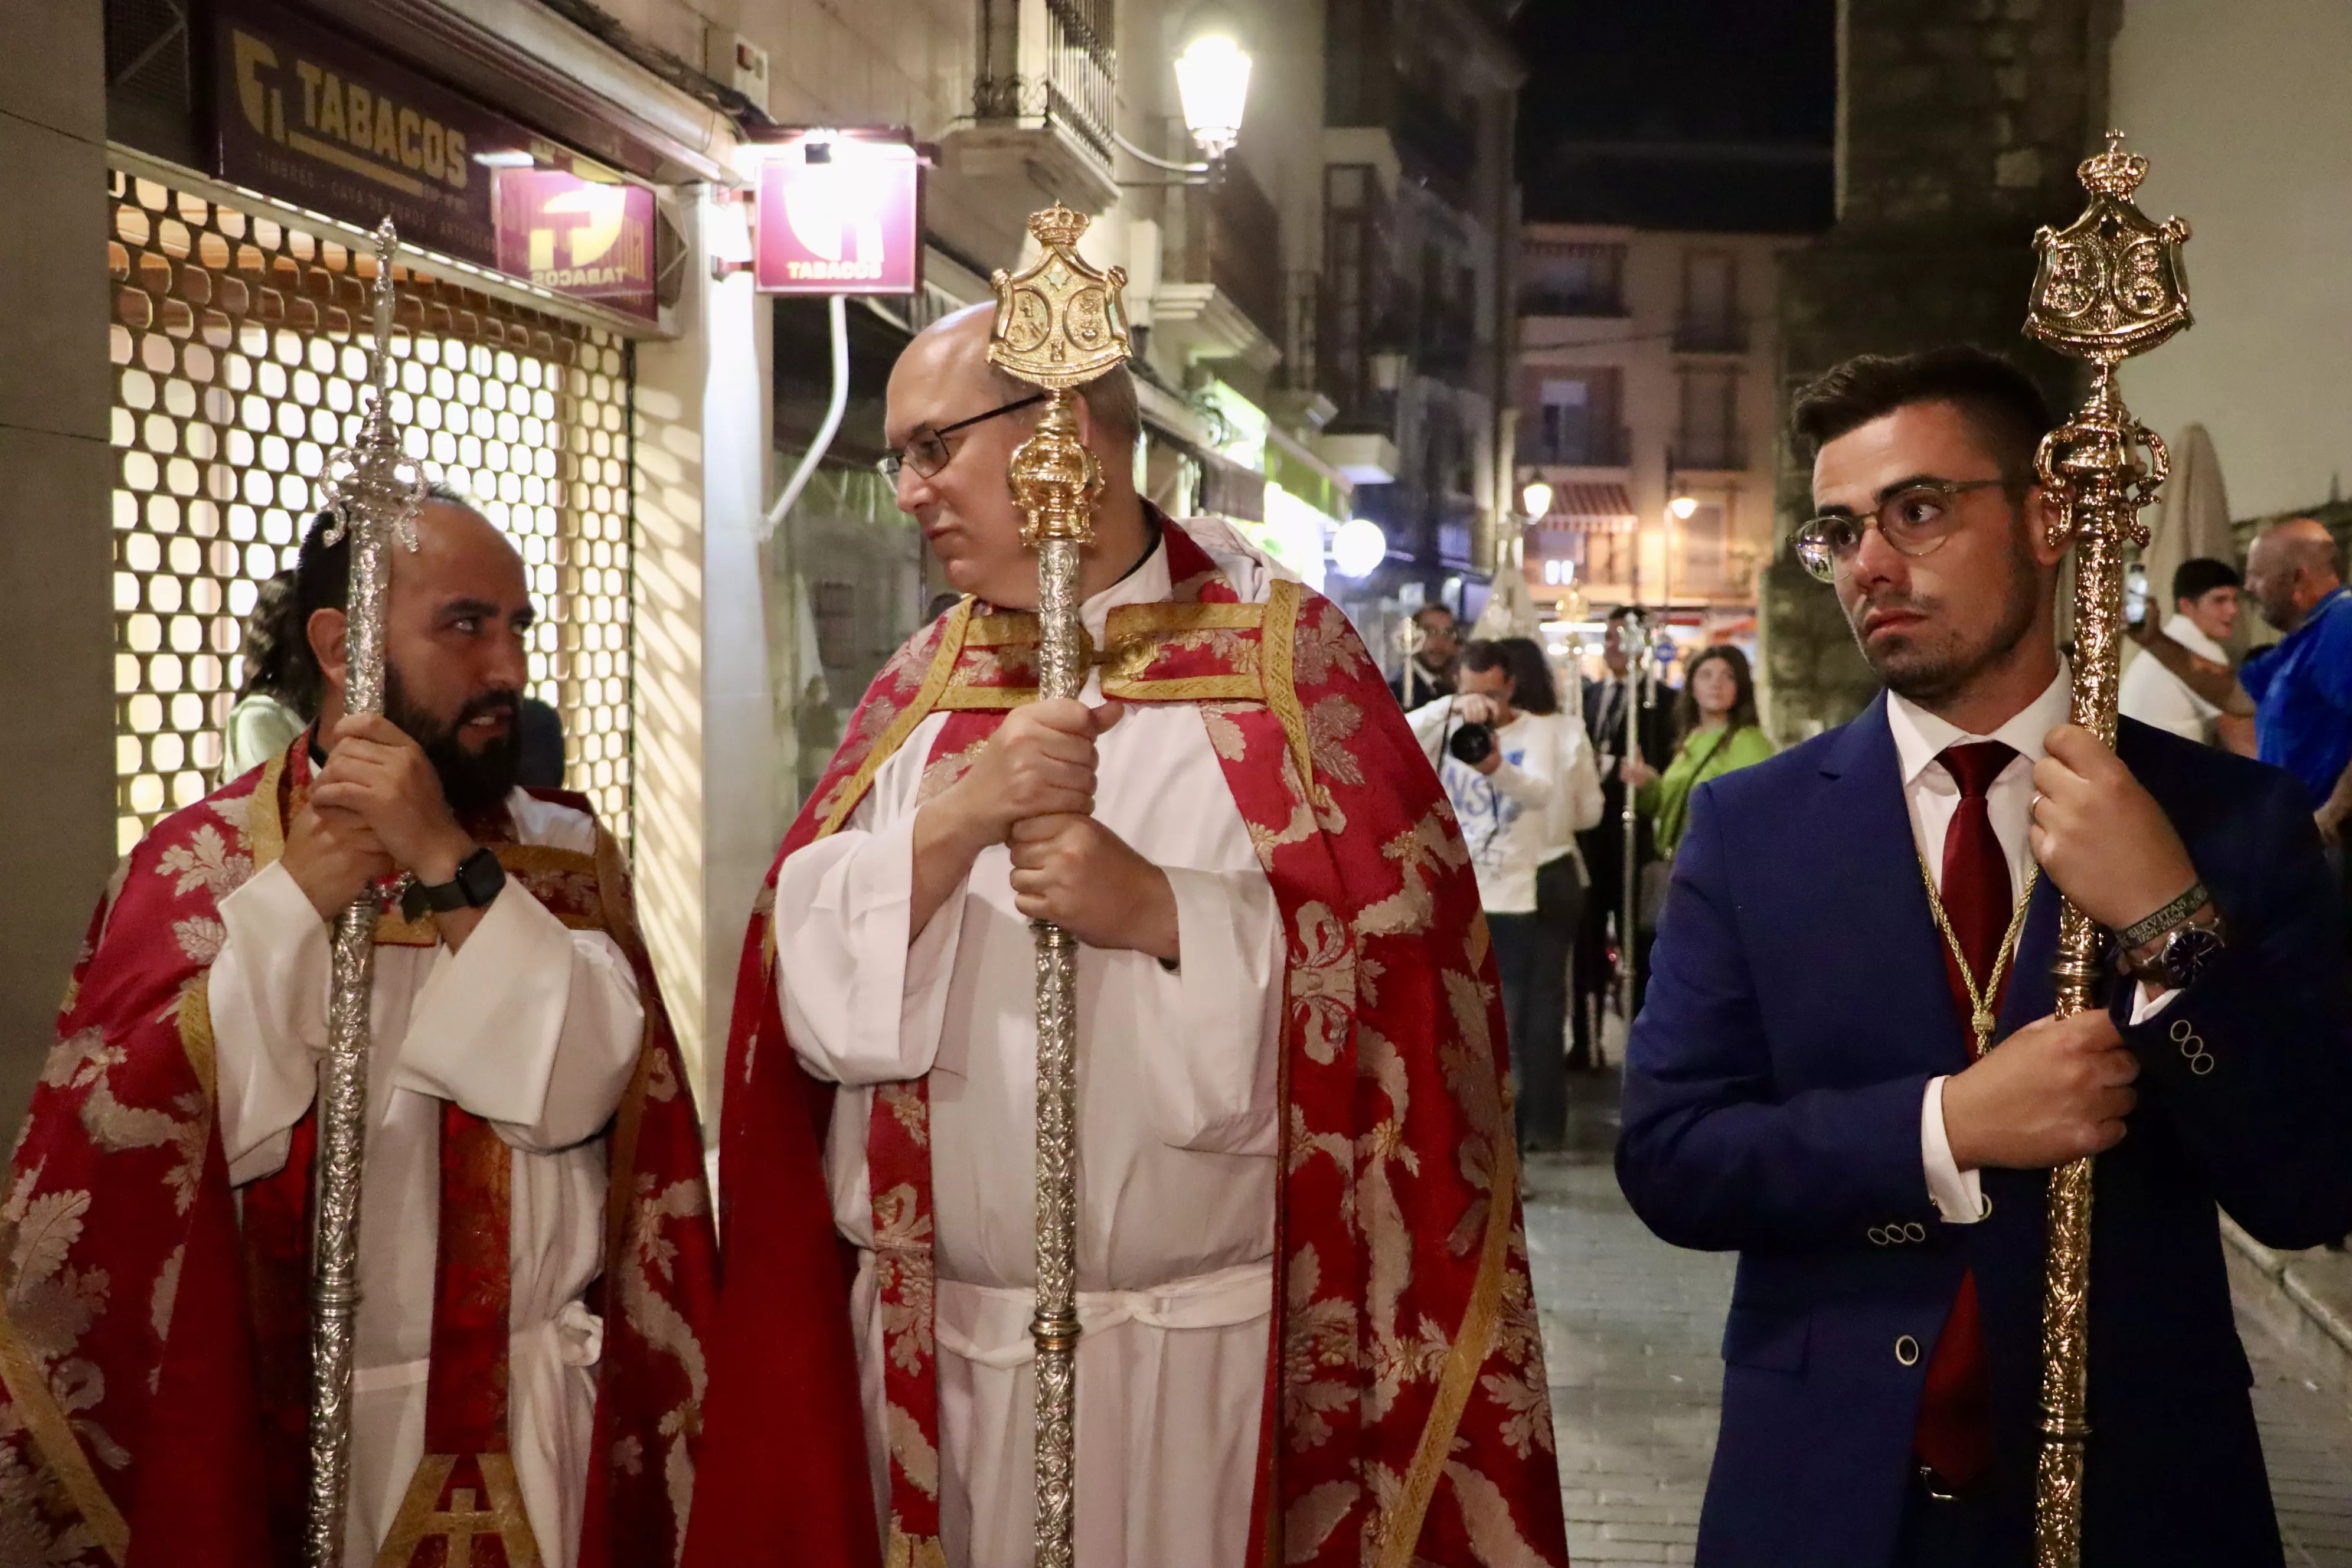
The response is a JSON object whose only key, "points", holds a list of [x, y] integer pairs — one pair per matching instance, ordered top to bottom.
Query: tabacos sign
{"points": [[310, 118], [839, 213], [590, 238]]}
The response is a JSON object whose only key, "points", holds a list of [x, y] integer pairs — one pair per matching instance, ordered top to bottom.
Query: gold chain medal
{"points": [[2110, 286], [1981, 1001]]}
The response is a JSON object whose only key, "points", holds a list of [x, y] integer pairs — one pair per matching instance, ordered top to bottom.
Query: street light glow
{"points": [[1212, 78], [1536, 498], [1683, 506], [1359, 547]]}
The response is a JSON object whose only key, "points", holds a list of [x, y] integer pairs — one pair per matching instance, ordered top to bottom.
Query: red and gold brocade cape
{"points": [[1406, 1369], [149, 1413]]}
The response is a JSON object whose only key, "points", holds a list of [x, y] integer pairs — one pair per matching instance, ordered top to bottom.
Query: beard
{"points": [[1931, 671], [474, 783]]}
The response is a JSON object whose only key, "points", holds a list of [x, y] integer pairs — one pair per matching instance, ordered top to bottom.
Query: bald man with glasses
{"points": [[1848, 1070], [1292, 1122]]}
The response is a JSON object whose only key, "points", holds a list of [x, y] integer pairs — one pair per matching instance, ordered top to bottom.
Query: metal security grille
{"points": [[239, 353]]}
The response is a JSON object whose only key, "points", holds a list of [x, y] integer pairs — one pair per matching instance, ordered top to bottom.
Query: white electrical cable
{"points": [[815, 454]]}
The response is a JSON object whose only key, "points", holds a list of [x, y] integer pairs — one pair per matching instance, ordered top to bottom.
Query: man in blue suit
{"points": [[1848, 1071]]}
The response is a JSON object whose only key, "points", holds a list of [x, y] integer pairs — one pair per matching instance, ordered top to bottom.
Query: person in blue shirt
{"points": [[2302, 685]]}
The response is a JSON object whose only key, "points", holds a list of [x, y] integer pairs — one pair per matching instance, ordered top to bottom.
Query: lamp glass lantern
{"points": [[1213, 75], [1536, 498]]}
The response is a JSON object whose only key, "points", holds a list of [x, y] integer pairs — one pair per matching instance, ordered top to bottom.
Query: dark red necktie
{"points": [[1955, 1433]]}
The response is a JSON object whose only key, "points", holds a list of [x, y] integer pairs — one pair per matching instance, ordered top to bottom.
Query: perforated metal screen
{"points": [[237, 369]]}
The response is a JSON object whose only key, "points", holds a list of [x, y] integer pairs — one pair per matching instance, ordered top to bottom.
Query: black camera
{"points": [[1472, 744]]}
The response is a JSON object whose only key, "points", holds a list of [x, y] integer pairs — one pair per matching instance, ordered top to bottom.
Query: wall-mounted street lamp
{"points": [[1212, 75], [1536, 499]]}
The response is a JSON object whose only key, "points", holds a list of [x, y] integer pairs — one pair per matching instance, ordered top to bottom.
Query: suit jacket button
{"points": [[1906, 1350]]}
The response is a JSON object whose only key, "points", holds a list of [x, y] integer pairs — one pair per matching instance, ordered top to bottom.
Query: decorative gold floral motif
{"points": [[1322, 982], [902, 1268], [1318, 1336]]}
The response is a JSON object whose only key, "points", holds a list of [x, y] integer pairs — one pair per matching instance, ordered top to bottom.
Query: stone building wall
{"points": [[1960, 123]]}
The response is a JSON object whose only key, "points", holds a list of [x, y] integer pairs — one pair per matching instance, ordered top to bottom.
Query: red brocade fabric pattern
{"points": [[154, 1357], [1410, 1422]]}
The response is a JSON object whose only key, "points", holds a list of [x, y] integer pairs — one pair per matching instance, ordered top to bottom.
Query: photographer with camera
{"points": [[1522, 779]]}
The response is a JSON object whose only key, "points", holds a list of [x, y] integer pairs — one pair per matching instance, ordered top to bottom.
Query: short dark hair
{"points": [[2007, 410], [322, 573], [2200, 575], [1445, 610], [1521, 659], [1743, 706]]}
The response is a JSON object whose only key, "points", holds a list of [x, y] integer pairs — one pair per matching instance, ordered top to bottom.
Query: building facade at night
{"points": [[1316, 319], [1644, 377]]}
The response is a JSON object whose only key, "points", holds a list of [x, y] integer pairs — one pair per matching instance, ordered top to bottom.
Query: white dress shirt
{"points": [[2153, 695], [1931, 795], [530, 1026], [1179, 1106]]}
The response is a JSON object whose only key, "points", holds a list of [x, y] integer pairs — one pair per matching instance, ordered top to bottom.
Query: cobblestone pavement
{"points": [[1632, 1328]]}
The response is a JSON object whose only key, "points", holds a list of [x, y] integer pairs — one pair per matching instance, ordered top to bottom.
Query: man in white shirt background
{"points": [[2205, 613]]}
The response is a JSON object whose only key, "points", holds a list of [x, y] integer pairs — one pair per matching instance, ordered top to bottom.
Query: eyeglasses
{"points": [[927, 451], [1914, 521]]}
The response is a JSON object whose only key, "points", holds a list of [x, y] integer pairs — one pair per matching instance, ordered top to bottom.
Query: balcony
{"points": [[1041, 99], [1553, 303], [1710, 335], [1602, 446], [1715, 452]]}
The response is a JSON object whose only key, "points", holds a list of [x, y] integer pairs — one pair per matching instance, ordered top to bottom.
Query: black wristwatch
{"points": [[479, 877], [2175, 958]]}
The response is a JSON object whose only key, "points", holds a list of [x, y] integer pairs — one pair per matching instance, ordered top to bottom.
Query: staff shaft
{"points": [[342, 1106], [1055, 1327]]}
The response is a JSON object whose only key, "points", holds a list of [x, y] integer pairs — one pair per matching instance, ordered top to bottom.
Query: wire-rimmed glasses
{"points": [[927, 451], [1915, 519]]}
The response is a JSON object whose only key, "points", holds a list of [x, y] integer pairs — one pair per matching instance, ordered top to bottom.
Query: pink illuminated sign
{"points": [[839, 215]]}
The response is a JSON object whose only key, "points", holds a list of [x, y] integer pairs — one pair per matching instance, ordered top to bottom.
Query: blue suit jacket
{"points": [[1772, 1102]]}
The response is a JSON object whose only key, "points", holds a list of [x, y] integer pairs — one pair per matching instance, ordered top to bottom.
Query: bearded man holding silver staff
{"points": [[1914, 973], [533, 1252]]}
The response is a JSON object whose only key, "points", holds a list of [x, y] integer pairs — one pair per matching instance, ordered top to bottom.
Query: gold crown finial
{"points": [[2114, 172], [1058, 227], [1060, 321]]}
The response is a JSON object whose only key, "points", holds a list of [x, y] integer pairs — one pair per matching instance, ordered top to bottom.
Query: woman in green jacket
{"points": [[1716, 714]]}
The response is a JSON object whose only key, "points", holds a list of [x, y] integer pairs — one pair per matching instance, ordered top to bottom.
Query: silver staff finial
{"points": [[372, 480]]}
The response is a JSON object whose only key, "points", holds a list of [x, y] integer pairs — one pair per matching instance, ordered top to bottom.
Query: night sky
{"points": [[1678, 113]]}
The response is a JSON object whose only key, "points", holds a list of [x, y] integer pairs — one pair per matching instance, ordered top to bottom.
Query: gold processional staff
{"points": [[2110, 286], [1060, 323], [374, 493]]}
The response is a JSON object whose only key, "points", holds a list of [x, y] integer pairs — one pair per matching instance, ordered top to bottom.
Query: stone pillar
{"points": [[1959, 125], [57, 620], [705, 826]]}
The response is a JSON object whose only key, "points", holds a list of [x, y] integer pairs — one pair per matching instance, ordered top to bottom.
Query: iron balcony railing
{"points": [[1593, 446]]}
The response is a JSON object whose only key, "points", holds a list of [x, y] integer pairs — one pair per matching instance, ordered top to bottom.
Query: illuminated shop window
{"points": [[239, 352]]}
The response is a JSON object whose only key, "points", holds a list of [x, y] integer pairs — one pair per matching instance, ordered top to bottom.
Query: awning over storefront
{"points": [[1589, 509]]}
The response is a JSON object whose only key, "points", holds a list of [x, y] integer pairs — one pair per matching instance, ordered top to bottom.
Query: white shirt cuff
{"points": [[2147, 1005], [1958, 1195]]}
